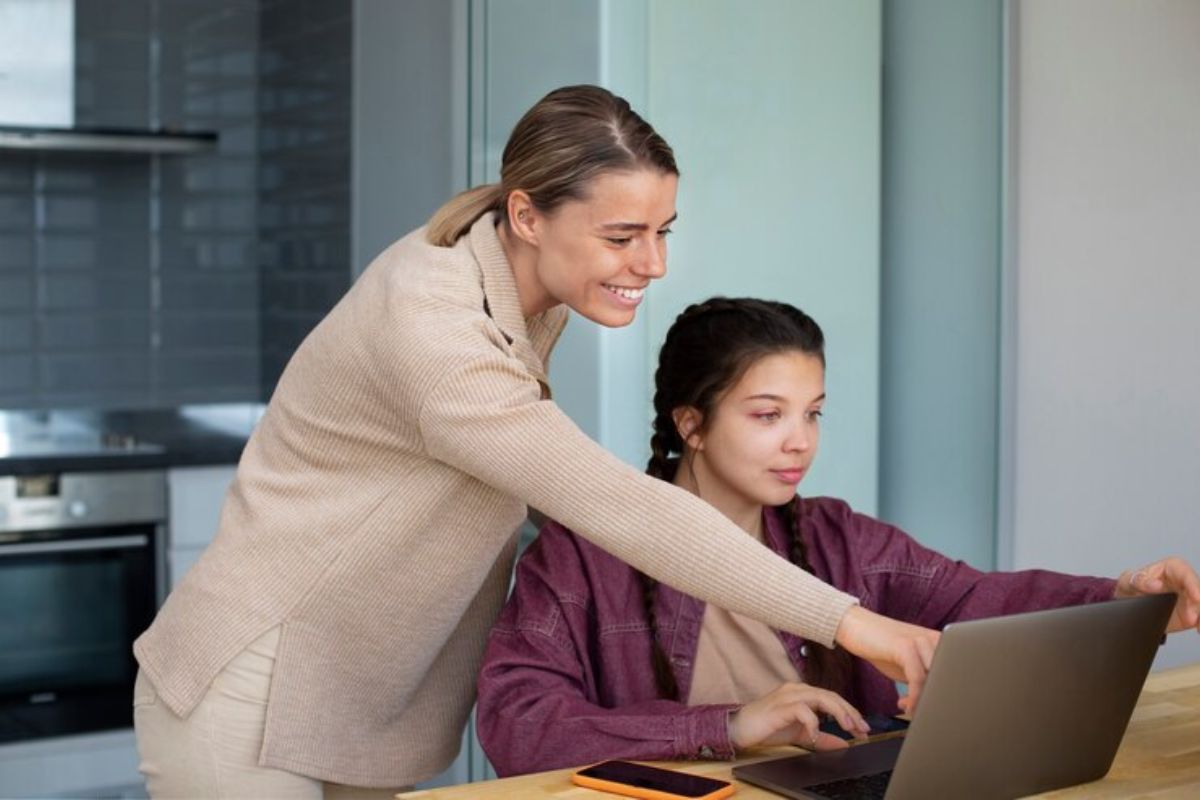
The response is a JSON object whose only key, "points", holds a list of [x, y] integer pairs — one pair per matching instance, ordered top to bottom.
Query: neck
{"points": [[522, 259], [694, 476]]}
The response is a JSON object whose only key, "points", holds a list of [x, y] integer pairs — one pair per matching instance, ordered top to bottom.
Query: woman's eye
{"points": [[664, 233], [619, 241], [767, 416], [813, 416]]}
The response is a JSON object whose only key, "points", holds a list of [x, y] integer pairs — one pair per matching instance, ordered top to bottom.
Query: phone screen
{"points": [[879, 723], [660, 780]]}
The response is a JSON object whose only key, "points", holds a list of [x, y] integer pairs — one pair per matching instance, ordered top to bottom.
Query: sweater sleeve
{"points": [[486, 418], [538, 700]]}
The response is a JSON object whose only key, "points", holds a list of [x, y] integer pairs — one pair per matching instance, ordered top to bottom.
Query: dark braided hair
{"points": [[708, 349]]}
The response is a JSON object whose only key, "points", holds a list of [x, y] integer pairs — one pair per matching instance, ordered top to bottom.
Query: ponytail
{"points": [[459, 213]]}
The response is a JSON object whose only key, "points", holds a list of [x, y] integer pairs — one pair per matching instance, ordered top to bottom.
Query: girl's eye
{"points": [[664, 233], [619, 241], [767, 416], [813, 416]]}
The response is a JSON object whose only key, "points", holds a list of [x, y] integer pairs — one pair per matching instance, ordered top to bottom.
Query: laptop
{"points": [[1012, 706]]}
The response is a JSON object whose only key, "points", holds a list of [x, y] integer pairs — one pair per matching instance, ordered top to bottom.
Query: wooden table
{"points": [[1159, 757]]}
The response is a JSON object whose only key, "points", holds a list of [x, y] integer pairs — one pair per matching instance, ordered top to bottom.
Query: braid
{"points": [[660, 465], [824, 668], [664, 677]]}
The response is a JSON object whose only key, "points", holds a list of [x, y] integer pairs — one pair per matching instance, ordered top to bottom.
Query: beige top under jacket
{"points": [[374, 513]]}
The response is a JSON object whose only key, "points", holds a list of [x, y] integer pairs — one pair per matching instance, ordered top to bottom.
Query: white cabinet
{"points": [[195, 495], [89, 765]]}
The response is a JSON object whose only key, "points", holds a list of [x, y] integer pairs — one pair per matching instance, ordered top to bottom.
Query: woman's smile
{"points": [[625, 296]]}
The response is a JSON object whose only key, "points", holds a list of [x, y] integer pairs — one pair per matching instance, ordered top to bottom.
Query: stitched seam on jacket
{"points": [[926, 572], [625, 627]]}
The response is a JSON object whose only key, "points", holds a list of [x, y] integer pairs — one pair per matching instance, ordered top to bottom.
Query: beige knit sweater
{"points": [[374, 512]]}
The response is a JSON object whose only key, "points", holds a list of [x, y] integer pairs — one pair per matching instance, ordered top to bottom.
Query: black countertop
{"points": [[78, 440]]}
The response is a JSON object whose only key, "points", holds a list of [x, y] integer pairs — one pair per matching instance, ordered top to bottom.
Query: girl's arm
{"points": [[905, 580], [538, 695], [533, 714]]}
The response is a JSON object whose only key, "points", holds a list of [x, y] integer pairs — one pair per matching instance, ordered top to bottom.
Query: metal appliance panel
{"points": [[80, 500]]}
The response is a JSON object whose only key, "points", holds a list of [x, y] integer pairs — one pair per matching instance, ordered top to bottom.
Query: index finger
{"points": [[1185, 576], [914, 675]]}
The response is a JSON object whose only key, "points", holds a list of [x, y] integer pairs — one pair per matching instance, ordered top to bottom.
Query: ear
{"points": [[522, 216], [687, 423]]}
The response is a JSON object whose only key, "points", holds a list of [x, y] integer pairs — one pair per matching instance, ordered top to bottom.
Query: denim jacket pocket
{"points": [[898, 589]]}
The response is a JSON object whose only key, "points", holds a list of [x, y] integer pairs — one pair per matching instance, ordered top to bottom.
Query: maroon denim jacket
{"points": [[567, 677]]}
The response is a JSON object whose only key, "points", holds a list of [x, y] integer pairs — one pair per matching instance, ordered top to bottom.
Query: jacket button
{"points": [[706, 752]]}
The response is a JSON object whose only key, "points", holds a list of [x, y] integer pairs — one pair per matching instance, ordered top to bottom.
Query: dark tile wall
{"points": [[304, 170], [205, 243], [152, 281]]}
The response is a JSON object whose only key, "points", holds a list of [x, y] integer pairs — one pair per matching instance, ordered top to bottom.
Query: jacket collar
{"points": [[531, 338]]}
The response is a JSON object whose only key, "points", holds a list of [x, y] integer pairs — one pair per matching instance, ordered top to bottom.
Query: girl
{"points": [[331, 634], [592, 659]]}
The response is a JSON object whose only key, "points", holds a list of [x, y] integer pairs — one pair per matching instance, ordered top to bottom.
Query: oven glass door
{"points": [[73, 603]]}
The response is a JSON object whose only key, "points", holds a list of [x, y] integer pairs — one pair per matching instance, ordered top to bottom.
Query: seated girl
{"points": [[592, 660]]}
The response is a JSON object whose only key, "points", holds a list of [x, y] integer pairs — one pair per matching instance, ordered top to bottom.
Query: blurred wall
{"points": [[775, 119], [942, 137], [1106, 438]]}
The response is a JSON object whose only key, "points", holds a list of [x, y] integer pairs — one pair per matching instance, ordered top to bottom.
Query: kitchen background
{"points": [[989, 206], [144, 281]]}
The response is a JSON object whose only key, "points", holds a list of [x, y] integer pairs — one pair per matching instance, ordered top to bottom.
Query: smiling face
{"points": [[597, 255], [761, 437]]}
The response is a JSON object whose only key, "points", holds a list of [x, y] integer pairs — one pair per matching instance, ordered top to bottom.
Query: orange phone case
{"points": [[649, 794]]}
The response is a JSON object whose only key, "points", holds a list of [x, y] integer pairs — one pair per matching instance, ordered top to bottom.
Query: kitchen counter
{"points": [[78, 440]]}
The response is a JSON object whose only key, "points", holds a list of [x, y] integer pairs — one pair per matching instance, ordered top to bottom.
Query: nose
{"points": [[654, 264], [798, 440]]}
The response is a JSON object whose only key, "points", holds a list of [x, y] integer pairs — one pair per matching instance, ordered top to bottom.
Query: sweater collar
{"points": [[531, 338]]}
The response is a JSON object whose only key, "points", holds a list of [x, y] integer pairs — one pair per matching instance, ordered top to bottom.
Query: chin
{"points": [[608, 317], [778, 496]]}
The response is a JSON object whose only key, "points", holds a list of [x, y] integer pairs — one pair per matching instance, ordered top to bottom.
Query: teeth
{"points": [[629, 294]]}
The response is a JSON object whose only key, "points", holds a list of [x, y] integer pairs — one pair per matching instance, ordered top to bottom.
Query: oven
{"points": [[81, 576]]}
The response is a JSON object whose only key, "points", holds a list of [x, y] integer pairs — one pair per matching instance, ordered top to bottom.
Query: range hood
{"points": [[37, 89], [105, 140]]}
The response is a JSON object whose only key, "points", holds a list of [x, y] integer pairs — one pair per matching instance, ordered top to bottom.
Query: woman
{"points": [[331, 634], [591, 659]]}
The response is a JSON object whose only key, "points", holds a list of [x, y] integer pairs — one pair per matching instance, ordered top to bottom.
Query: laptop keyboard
{"points": [[864, 787]]}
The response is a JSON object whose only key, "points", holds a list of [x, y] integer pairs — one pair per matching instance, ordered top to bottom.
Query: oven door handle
{"points": [[74, 546]]}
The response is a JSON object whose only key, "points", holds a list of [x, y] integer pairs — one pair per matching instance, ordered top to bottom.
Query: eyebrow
{"points": [[634, 226], [779, 399]]}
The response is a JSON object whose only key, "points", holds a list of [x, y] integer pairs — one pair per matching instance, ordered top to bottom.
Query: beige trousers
{"points": [[213, 753]]}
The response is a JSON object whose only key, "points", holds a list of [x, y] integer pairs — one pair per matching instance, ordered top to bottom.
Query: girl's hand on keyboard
{"points": [[789, 715]]}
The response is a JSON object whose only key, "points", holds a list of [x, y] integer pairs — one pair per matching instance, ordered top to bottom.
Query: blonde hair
{"points": [[569, 137]]}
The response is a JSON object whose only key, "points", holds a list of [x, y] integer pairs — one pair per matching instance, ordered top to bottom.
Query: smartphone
{"points": [[879, 723], [651, 783]]}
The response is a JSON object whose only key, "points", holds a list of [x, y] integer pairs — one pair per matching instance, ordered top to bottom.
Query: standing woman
{"points": [[330, 635]]}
